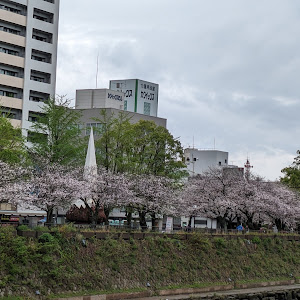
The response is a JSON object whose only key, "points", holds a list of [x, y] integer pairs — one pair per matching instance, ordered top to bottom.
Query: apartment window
{"points": [[50, 1], [11, 9], [43, 15], [39, 18], [10, 30], [42, 36], [39, 38], [8, 51], [41, 56], [38, 58], [7, 72], [40, 76], [37, 78], [8, 94], [38, 96], [35, 98], [147, 108], [11, 113], [34, 116], [225, 161], [220, 163]]}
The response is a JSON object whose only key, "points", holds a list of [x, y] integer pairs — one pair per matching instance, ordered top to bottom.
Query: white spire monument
{"points": [[90, 167]]}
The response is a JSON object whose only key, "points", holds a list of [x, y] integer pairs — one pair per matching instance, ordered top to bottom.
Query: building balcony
{"points": [[13, 17], [13, 39], [12, 60], [11, 81], [11, 102], [16, 123]]}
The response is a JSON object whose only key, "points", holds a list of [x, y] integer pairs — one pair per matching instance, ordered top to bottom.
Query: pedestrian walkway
{"points": [[226, 293]]}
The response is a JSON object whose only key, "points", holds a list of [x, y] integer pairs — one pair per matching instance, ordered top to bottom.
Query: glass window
{"points": [[147, 108], [96, 128]]}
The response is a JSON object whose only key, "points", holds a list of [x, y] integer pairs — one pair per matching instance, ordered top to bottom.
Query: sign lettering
{"points": [[148, 96], [115, 97]]}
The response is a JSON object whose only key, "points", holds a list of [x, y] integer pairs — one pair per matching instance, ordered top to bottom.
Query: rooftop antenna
{"points": [[97, 70], [193, 142], [214, 143]]}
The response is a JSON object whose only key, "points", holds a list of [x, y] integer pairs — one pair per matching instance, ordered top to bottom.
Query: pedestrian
{"points": [[240, 228]]}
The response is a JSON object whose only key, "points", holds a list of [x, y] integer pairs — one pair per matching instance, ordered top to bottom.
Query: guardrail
{"points": [[125, 228]]}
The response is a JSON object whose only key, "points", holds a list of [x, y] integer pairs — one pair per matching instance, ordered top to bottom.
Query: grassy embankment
{"points": [[62, 264]]}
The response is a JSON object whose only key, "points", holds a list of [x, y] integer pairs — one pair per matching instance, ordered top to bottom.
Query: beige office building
{"points": [[28, 56], [91, 102]]}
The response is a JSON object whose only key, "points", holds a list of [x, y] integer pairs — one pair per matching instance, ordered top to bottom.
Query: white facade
{"points": [[28, 56], [140, 96], [99, 98], [199, 161], [199, 223]]}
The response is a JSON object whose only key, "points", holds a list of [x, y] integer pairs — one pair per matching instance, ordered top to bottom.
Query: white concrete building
{"points": [[28, 56], [140, 96], [99, 98], [91, 102], [199, 161]]}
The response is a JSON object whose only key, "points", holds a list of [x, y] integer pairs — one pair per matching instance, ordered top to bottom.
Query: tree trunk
{"points": [[107, 210], [93, 212], [50, 215], [128, 216], [153, 221], [143, 223], [222, 223], [279, 224]]}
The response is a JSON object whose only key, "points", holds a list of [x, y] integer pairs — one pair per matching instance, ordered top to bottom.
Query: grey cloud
{"points": [[227, 69]]}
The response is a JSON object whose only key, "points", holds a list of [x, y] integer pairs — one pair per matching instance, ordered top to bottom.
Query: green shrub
{"points": [[23, 228], [41, 228], [67, 228], [46, 238], [256, 240], [200, 241], [220, 243]]}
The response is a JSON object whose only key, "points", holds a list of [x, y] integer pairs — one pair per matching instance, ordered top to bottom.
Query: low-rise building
{"points": [[199, 161]]}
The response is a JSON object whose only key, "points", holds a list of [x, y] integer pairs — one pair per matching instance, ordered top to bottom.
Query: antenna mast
{"points": [[97, 69]]}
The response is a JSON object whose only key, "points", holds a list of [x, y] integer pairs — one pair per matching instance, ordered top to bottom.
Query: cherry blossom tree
{"points": [[10, 175], [51, 187], [103, 190], [152, 195], [212, 195], [229, 198], [280, 204]]}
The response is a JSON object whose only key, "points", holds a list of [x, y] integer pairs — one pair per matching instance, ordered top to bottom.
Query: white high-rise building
{"points": [[28, 56]]}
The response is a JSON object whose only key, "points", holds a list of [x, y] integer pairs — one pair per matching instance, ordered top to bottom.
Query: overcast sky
{"points": [[228, 70]]}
